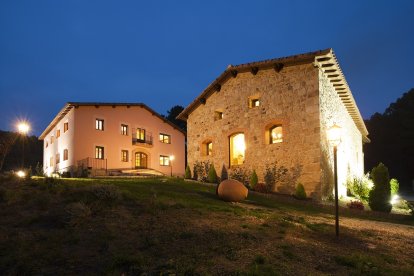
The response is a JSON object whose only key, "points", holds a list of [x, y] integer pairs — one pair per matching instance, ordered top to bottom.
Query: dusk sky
{"points": [[164, 53]]}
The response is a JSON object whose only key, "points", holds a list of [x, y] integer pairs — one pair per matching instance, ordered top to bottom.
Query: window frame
{"points": [[99, 124], [65, 127], [124, 129], [270, 136], [230, 137], [164, 138], [209, 151], [99, 152], [126, 152], [65, 154], [165, 161]]}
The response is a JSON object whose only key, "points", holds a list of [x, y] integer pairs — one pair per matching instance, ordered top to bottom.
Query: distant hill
{"points": [[11, 151]]}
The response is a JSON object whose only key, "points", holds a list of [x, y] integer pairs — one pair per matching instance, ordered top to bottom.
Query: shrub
{"points": [[39, 169], [200, 171], [187, 172], [224, 173], [274, 174], [212, 175], [241, 175], [253, 179], [395, 186], [260, 187], [359, 187], [300, 192], [108, 194], [380, 195], [356, 204]]}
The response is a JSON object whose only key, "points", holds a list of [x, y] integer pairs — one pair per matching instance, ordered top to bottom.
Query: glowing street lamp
{"points": [[23, 128], [334, 137], [171, 161]]}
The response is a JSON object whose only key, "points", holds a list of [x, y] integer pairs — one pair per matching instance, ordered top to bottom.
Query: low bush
{"points": [[187, 172], [212, 175], [241, 175], [253, 179], [360, 187], [261, 188], [300, 192], [356, 204], [78, 213]]}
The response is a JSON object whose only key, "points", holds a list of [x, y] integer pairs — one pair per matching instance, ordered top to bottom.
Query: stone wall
{"points": [[289, 97], [350, 155]]}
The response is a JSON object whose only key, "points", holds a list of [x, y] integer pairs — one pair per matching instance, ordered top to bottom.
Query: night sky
{"points": [[164, 53]]}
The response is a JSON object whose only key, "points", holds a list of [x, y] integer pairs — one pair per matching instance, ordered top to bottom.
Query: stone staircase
{"points": [[135, 173]]}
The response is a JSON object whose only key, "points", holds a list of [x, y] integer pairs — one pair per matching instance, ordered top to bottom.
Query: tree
{"points": [[172, 117], [391, 135], [7, 140], [380, 195]]}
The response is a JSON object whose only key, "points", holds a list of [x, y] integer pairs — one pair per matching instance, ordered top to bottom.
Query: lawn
{"points": [[169, 226]]}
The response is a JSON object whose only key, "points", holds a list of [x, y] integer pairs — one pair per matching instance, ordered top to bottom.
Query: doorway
{"points": [[141, 160]]}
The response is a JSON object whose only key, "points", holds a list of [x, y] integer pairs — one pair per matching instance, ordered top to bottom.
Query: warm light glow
{"points": [[23, 127], [334, 134], [276, 135], [237, 149], [172, 157], [21, 174], [394, 199]]}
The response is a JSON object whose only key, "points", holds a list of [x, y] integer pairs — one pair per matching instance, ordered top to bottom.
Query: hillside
{"points": [[169, 226]]}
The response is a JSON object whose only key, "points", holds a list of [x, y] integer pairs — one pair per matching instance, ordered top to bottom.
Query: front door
{"points": [[140, 160]]}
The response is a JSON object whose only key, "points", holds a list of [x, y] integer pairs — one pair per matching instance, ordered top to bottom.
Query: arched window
{"points": [[276, 134], [237, 149]]}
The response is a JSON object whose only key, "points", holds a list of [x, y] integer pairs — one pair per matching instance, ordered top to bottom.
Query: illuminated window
{"points": [[254, 102], [218, 115], [99, 124], [65, 127], [124, 129], [57, 133], [141, 134], [276, 134], [165, 138], [209, 148], [237, 149], [99, 152], [65, 154], [124, 155], [57, 158], [141, 160], [164, 160]]}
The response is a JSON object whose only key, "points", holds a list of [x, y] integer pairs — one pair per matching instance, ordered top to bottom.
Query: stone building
{"points": [[279, 110]]}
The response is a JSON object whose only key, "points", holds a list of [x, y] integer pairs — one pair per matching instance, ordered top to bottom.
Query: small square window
{"points": [[254, 103], [218, 115], [99, 124], [65, 127], [124, 129], [57, 133], [165, 138], [52, 139], [124, 155], [164, 160]]}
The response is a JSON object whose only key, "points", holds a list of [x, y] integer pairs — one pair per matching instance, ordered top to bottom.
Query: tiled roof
{"points": [[68, 106]]}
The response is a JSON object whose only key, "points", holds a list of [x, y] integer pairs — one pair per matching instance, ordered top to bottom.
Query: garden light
{"points": [[21, 174], [394, 199]]}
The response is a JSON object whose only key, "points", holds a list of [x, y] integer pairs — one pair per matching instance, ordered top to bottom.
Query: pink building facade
{"points": [[107, 138]]}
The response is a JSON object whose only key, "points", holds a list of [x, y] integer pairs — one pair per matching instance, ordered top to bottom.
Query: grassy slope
{"points": [[171, 226]]}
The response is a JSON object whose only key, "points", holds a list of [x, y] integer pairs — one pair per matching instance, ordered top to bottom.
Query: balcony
{"points": [[142, 140]]}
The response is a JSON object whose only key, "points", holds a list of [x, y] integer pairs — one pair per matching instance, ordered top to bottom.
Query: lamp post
{"points": [[23, 128], [334, 137], [171, 161]]}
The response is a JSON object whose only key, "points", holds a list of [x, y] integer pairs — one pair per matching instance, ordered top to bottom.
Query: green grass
{"points": [[171, 226]]}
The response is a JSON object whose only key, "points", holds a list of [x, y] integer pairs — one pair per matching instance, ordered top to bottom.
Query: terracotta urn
{"points": [[232, 190]]}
